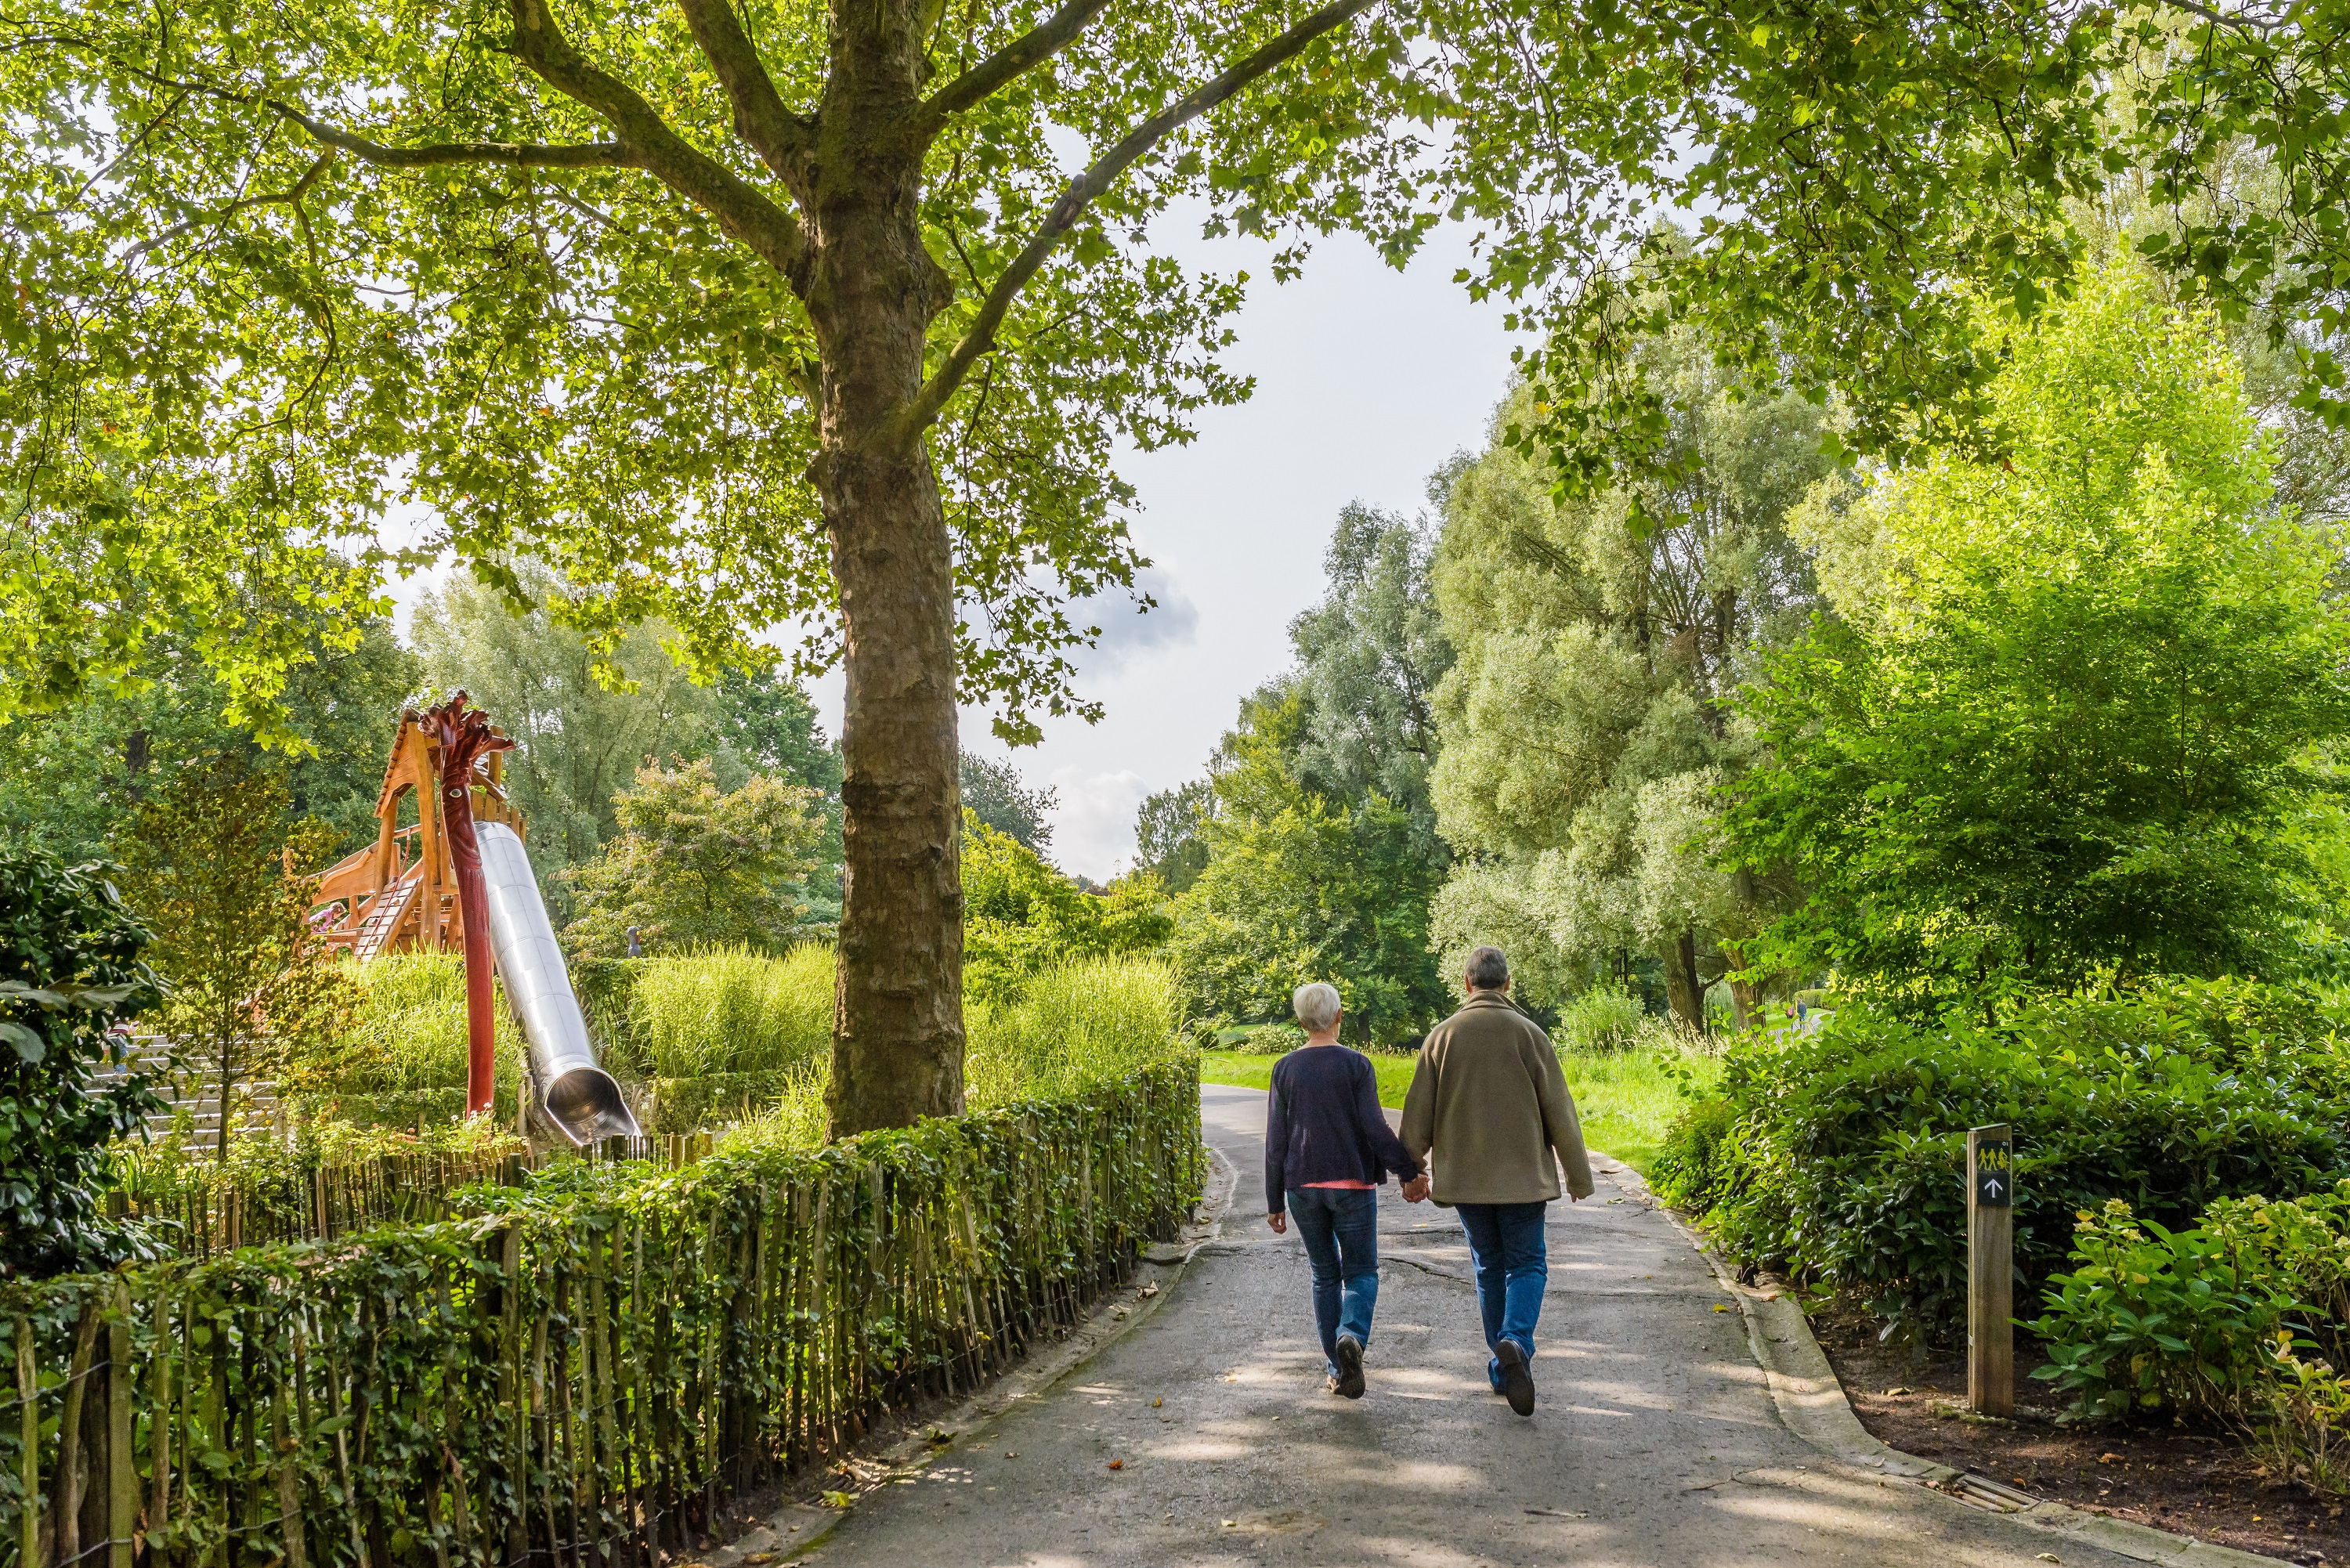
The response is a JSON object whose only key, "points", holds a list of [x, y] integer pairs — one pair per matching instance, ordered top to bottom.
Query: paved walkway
{"points": [[1656, 1441]]}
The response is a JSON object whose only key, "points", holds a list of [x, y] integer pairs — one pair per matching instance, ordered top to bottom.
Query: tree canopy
{"points": [[738, 316], [2063, 719], [1587, 726], [692, 864]]}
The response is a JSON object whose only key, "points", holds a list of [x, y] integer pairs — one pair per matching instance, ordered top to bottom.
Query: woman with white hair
{"points": [[1327, 1148]]}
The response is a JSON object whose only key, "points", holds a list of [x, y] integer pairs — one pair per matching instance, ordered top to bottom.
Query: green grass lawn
{"points": [[1627, 1098]]}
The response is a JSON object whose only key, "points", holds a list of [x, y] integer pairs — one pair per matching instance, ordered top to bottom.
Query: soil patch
{"points": [[2191, 1480]]}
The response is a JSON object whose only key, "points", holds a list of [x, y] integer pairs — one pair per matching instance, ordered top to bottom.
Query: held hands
{"points": [[1416, 1190], [1279, 1221]]}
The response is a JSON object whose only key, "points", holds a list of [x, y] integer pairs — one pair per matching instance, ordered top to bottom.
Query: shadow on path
{"points": [[1656, 1441]]}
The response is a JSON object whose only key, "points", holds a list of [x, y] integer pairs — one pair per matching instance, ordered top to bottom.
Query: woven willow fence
{"points": [[207, 1212], [585, 1370]]}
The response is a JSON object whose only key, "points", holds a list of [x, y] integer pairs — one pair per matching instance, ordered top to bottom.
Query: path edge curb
{"points": [[1812, 1403]]}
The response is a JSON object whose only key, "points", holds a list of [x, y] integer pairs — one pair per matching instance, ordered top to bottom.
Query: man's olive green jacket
{"points": [[1487, 1107]]}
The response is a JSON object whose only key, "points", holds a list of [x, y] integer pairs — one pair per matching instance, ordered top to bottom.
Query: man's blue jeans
{"points": [[1340, 1227], [1505, 1243]]}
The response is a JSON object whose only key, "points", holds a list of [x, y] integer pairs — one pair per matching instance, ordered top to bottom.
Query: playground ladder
{"points": [[391, 907]]}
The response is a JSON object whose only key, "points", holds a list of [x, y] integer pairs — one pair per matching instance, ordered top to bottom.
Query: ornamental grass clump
{"points": [[731, 1009], [1069, 1030]]}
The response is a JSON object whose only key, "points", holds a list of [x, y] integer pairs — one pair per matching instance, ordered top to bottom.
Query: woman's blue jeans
{"points": [[1340, 1227], [1505, 1243]]}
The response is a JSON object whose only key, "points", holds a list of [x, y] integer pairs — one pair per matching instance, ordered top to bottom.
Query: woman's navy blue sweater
{"points": [[1324, 1123]]}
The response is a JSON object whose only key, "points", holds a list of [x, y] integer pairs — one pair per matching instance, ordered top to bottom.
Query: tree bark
{"points": [[1685, 990], [898, 1035]]}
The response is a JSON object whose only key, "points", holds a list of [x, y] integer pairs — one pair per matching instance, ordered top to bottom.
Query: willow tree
{"points": [[749, 313]]}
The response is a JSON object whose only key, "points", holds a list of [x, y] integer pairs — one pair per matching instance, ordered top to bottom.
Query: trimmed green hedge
{"points": [[591, 1365]]}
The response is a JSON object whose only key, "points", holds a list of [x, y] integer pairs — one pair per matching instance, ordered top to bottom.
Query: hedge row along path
{"points": [[582, 1372], [1656, 1441]]}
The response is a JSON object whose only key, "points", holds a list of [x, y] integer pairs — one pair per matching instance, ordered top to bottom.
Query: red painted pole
{"points": [[466, 736]]}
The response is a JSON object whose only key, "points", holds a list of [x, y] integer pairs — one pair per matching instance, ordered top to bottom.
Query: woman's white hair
{"points": [[1316, 1005]]}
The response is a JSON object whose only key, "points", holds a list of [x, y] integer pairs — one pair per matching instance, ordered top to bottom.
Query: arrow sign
{"points": [[1994, 1174]]}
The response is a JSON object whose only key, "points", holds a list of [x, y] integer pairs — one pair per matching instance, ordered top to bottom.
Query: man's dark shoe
{"points": [[1517, 1378], [1348, 1384]]}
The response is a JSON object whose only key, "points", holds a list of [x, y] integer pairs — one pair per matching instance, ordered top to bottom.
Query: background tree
{"points": [[742, 316], [1369, 658], [2063, 722], [767, 723], [1587, 723], [578, 741], [69, 777], [993, 792], [1170, 838], [1310, 850], [693, 864], [212, 868], [1298, 887], [1023, 917], [70, 970]]}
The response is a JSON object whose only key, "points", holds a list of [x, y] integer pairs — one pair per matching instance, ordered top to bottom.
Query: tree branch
{"points": [[1029, 50], [761, 115], [516, 155], [292, 198], [742, 209], [919, 414]]}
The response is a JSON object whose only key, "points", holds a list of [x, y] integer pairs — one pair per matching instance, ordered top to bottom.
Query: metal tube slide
{"points": [[578, 1096]]}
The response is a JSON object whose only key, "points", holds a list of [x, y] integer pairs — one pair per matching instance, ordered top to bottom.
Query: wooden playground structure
{"points": [[401, 894]]}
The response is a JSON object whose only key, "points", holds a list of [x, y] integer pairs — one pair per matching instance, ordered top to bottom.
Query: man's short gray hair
{"points": [[1487, 968], [1316, 1005]]}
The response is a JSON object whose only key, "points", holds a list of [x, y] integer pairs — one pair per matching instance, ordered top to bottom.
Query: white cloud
{"points": [[1128, 629], [1093, 820]]}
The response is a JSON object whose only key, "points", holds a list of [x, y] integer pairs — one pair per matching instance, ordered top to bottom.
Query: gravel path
{"points": [[1656, 1441]]}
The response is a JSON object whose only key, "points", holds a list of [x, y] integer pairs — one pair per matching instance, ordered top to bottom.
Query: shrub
{"points": [[71, 966], [1601, 1019], [1272, 1039], [1838, 1155], [2150, 1317], [2245, 1317]]}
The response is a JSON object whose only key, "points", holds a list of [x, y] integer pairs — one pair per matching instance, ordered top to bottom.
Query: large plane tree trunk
{"points": [[898, 1036]]}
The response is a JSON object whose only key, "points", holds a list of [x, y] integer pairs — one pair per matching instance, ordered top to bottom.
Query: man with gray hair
{"points": [[1490, 1107], [1327, 1148]]}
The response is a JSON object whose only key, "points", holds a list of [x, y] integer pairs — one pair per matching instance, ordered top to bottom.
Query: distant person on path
{"points": [[1490, 1104], [1327, 1148]]}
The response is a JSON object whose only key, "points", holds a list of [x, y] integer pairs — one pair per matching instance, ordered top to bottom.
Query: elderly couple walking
{"points": [[1488, 1106]]}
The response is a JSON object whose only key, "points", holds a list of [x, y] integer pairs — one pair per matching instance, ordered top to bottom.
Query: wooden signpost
{"points": [[1991, 1270]]}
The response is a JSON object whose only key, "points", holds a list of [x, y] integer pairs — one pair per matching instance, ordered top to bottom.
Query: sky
{"points": [[1367, 379]]}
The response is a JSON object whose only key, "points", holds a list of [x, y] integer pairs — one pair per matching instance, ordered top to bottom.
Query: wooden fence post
{"points": [[1991, 1270], [29, 1480]]}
